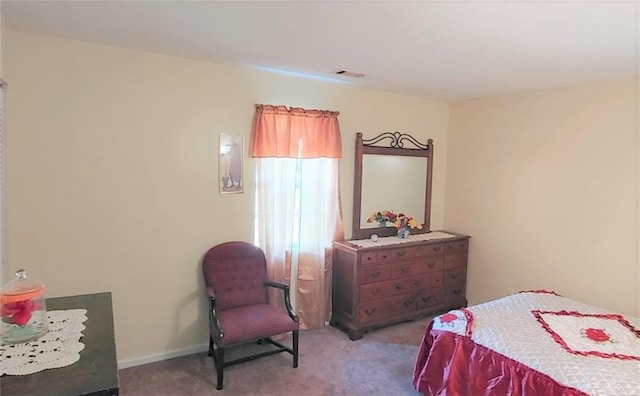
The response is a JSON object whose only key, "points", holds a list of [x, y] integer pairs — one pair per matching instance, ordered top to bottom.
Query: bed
{"points": [[529, 343]]}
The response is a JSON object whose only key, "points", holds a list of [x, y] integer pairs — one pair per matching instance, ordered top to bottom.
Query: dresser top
{"points": [[434, 236]]}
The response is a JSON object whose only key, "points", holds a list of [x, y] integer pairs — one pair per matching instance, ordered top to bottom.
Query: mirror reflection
{"points": [[393, 183]]}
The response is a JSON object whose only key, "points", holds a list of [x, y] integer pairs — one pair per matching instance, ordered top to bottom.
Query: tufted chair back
{"points": [[236, 272]]}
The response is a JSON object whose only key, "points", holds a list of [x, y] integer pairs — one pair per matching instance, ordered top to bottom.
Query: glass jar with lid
{"points": [[23, 315]]}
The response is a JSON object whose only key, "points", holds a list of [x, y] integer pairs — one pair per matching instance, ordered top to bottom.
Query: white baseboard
{"points": [[123, 364]]}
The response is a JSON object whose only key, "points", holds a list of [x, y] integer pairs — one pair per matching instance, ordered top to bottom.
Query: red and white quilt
{"points": [[570, 347]]}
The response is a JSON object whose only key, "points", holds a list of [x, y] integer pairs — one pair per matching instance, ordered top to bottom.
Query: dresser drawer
{"points": [[456, 246], [429, 250], [417, 251], [405, 253], [377, 257], [369, 258], [455, 260], [432, 264], [403, 269], [374, 273], [454, 277], [426, 281], [378, 290], [455, 294], [430, 298], [382, 310]]}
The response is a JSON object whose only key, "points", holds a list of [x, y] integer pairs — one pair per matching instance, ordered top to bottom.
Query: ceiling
{"points": [[444, 50]]}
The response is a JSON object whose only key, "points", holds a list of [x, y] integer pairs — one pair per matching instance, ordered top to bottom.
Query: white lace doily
{"points": [[394, 240], [60, 347]]}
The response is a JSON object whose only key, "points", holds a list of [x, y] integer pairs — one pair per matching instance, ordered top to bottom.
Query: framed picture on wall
{"points": [[231, 165]]}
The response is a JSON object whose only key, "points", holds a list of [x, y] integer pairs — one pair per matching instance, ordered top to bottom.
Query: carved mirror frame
{"points": [[396, 142]]}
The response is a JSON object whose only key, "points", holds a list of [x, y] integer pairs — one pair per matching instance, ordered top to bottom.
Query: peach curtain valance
{"points": [[278, 131]]}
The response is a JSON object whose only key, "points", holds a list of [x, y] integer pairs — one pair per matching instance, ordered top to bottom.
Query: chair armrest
{"points": [[279, 285], [287, 296], [214, 324]]}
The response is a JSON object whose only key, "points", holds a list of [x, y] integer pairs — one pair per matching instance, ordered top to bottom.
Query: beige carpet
{"points": [[330, 363]]}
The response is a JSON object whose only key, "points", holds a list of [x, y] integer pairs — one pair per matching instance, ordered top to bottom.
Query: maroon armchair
{"points": [[235, 275]]}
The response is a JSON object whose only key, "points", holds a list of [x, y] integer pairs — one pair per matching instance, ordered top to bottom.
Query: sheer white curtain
{"points": [[298, 212], [298, 217]]}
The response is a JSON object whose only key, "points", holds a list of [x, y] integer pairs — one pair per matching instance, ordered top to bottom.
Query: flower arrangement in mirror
{"points": [[382, 217]]}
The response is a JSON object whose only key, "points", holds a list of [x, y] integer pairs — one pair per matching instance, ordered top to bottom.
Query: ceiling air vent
{"points": [[349, 74]]}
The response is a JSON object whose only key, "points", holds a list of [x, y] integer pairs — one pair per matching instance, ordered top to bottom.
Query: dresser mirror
{"points": [[393, 171]]}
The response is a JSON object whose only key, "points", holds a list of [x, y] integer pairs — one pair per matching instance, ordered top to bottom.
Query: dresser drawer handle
{"points": [[450, 247], [437, 248], [401, 253], [384, 256], [369, 258], [431, 265], [404, 270], [375, 275], [453, 276], [437, 280], [417, 284], [398, 287], [457, 291], [375, 292], [426, 299], [407, 303], [370, 312]]}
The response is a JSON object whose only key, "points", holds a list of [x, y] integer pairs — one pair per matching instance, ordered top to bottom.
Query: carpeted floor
{"points": [[330, 363]]}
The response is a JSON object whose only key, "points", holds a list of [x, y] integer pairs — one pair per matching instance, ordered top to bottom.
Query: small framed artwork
{"points": [[231, 152]]}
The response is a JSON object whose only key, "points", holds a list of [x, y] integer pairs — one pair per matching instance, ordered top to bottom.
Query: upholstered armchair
{"points": [[235, 275]]}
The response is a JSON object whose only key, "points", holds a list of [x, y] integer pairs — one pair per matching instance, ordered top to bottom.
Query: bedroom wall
{"points": [[0, 41], [112, 169], [546, 183], [3, 269]]}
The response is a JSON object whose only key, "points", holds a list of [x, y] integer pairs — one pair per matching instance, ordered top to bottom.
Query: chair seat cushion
{"points": [[253, 322]]}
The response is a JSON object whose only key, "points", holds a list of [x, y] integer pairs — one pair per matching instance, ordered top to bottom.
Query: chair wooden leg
{"points": [[295, 349], [219, 359]]}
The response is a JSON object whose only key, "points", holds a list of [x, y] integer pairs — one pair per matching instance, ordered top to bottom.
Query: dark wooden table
{"points": [[96, 373]]}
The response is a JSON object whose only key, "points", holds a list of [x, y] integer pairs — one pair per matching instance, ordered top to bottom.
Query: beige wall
{"points": [[0, 41], [112, 173], [547, 185], [3, 269]]}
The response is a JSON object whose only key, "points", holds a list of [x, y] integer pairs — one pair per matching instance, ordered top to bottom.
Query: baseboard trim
{"points": [[126, 363]]}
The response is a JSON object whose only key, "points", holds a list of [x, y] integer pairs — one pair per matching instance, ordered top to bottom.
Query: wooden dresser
{"points": [[375, 286]]}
